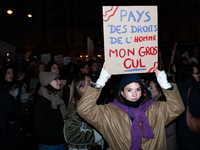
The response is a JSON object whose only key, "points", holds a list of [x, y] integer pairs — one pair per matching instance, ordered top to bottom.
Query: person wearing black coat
{"points": [[94, 71], [189, 77], [8, 95], [6, 108], [50, 111]]}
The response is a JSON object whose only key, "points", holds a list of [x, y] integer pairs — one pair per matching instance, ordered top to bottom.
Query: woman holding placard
{"points": [[133, 121]]}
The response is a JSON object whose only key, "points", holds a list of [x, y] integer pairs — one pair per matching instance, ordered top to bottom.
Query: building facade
{"points": [[62, 27]]}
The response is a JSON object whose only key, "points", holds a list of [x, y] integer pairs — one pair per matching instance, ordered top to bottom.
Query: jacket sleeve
{"points": [[173, 107], [87, 108], [77, 131]]}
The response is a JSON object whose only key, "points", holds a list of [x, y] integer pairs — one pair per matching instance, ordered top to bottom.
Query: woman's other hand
{"points": [[162, 79]]}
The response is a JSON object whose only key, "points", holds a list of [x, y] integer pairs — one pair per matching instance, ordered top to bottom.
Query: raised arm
{"points": [[173, 106], [87, 107]]}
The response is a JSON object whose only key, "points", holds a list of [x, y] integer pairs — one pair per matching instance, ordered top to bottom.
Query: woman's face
{"points": [[94, 67], [41, 68], [55, 69], [195, 74], [9, 75], [87, 81], [55, 84], [152, 89], [132, 91]]}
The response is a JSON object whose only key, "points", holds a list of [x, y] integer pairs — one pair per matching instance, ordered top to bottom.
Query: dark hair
{"points": [[183, 59], [92, 62], [83, 63], [49, 65], [36, 70], [186, 72], [4, 84], [51, 89], [143, 92], [75, 94], [160, 96]]}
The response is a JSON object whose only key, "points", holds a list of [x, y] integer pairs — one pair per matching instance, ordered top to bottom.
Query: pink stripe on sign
{"points": [[108, 11], [111, 14], [154, 67]]}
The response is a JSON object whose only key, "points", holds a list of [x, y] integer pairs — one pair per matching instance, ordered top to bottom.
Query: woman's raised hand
{"points": [[104, 67], [157, 72], [104, 76], [162, 79]]}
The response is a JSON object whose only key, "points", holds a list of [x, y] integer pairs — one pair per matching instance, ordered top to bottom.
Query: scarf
{"points": [[55, 100], [132, 103], [138, 115]]}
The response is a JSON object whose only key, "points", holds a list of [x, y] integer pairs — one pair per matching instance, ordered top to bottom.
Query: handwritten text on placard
{"points": [[130, 38]]}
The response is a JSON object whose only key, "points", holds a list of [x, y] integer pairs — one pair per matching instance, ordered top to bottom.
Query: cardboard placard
{"points": [[130, 39], [45, 58], [58, 59], [66, 60], [63, 82]]}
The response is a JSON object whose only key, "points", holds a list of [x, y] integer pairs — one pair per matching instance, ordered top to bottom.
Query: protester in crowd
{"points": [[182, 62], [74, 63], [100, 65], [52, 66], [196, 66], [84, 67], [40, 68], [94, 73], [171, 73], [71, 74], [189, 77], [35, 78], [69, 78], [145, 78], [35, 81], [25, 96], [26, 104], [6, 108], [50, 112], [131, 112], [12, 120], [170, 129], [78, 133]]}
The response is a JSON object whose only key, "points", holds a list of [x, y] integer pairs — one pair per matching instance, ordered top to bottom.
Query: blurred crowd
{"points": [[23, 105]]}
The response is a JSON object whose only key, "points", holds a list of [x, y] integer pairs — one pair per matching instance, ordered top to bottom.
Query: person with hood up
{"points": [[133, 121]]}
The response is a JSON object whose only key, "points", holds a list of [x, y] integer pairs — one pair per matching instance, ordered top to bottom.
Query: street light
{"points": [[9, 12], [29, 15]]}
